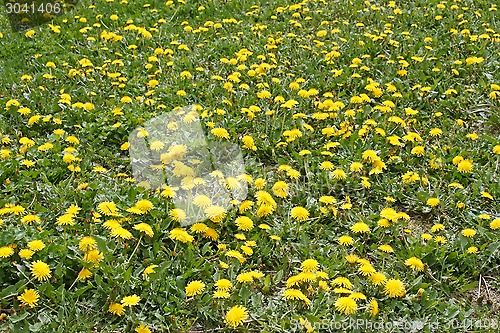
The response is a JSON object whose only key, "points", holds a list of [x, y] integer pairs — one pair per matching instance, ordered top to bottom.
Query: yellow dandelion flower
{"points": [[30, 33], [220, 132], [248, 142], [125, 146], [418, 150], [370, 156], [326, 165], [356, 166], [465, 166], [338, 174], [280, 189], [486, 195], [264, 198], [202, 201], [432, 202], [144, 205], [245, 205], [107, 208], [73, 210], [216, 213], [299, 213], [178, 214], [389, 214], [30, 218], [65, 220], [244, 223], [111, 224], [495, 224], [264, 226], [360, 227], [437, 227], [145, 228], [199, 228], [121, 232], [469, 232], [181, 235], [275, 237], [426, 237], [345, 240], [440, 240], [87, 243], [36, 245], [386, 248], [472, 249], [247, 250], [6, 251], [26, 253], [234, 254], [93, 256], [351, 258], [415, 264], [309, 265], [40, 270], [149, 270], [366, 270], [84, 274], [245, 277], [377, 278], [342, 281], [223, 284], [194, 288], [394, 288], [342, 290], [221, 294], [293, 294], [357, 296], [29, 297], [131, 300], [346, 305], [373, 307], [116, 309], [236, 316], [142, 329]]}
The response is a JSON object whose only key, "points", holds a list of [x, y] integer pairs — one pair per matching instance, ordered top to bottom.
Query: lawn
{"points": [[251, 166]]}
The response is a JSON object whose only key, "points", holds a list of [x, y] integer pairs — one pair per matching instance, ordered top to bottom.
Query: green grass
{"points": [[344, 52]]}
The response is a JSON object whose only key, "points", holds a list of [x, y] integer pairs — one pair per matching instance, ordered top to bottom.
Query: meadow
{"points": [[370, 132]]}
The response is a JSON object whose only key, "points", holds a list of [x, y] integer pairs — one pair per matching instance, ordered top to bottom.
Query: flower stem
{"points": [[133, 252]]}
